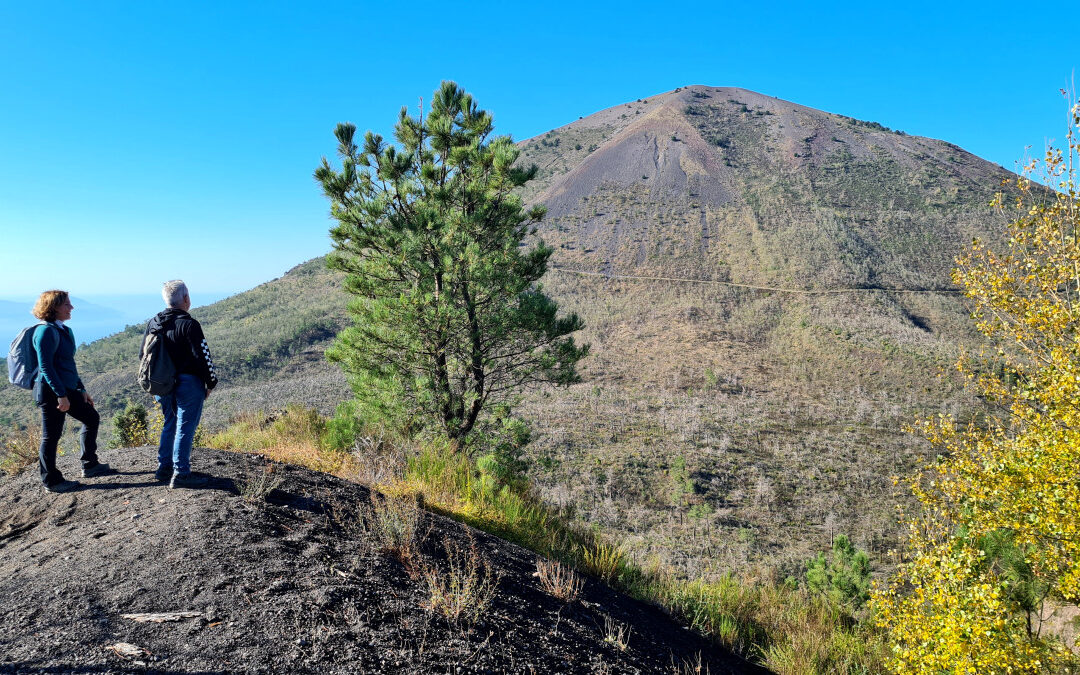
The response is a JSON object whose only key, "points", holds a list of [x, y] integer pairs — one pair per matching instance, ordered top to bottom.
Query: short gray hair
{"points": [[174, 292]]}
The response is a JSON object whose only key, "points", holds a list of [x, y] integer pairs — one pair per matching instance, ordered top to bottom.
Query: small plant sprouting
{"points": [[559, 580], [617, 634]]}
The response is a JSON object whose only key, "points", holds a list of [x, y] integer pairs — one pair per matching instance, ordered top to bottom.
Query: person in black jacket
{"points": [[195, 378]]}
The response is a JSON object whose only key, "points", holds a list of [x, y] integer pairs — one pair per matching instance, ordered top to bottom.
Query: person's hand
{"points": [[206, 395], [89, 399], [62, 404]]}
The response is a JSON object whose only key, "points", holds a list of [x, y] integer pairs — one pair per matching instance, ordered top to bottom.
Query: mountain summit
{"points": [[727, 184]]}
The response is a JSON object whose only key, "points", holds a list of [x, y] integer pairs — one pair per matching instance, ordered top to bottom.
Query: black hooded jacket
{"points": [[185, 343]]}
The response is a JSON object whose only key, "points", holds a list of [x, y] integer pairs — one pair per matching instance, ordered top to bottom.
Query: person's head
{"points": [[175, 294], [53, 306]]}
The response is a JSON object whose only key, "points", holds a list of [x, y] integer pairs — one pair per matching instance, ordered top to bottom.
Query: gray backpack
{"points": [[22, 360], [157, 373]]}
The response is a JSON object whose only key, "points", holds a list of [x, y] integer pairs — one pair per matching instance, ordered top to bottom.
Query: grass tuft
{"points": [[293, 436], [20, 449], [257, 487], [395, 523], [559, 580], [464, 591], [616, 634]]}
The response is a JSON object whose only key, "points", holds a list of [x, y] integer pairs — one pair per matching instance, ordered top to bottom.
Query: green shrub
{"points": [[130, 428], [844, 577]]}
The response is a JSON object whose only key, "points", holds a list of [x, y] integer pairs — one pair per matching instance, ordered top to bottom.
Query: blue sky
{"points": [[145, 141]]}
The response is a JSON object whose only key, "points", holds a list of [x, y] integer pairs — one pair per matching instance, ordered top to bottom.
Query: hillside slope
{"points": [[293, 585]]}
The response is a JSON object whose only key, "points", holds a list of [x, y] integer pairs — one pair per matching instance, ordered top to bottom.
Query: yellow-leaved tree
{"points": [[995, 546]]}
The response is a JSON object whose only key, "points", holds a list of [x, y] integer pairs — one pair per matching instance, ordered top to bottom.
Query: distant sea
{"points": [[94, 316]]}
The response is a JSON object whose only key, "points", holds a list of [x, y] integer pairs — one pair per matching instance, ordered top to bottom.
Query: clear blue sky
{"points": [[144, 141]]}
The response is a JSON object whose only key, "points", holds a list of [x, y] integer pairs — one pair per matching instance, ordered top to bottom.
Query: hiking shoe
{"points": [[99, 469], [163, 474], [188, 480], [62, 486]]}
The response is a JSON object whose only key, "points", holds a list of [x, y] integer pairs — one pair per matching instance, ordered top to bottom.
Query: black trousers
{"points": [[52, 426]]}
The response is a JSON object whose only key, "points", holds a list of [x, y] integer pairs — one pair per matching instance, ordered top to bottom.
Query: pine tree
{"points": [[449, 317]]}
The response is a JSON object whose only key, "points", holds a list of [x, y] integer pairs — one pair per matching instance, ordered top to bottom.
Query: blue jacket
{"points": [[55, 351]]}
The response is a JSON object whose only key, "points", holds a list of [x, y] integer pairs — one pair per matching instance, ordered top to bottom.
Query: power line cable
{"points": [[774, 289]]}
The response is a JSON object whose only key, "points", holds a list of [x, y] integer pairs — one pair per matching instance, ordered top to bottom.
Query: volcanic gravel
{"points": [[286, 585]]}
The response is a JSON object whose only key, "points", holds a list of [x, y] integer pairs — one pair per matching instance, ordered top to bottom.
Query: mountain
{"points": [[734, 185], [766, 289], [721, 424]]}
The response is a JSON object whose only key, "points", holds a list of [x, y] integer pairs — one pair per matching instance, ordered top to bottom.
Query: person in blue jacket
{"points": [[59, 392]]}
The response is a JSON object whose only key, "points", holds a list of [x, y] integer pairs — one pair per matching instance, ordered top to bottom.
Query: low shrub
{"points": [[130, 427], [19, 448], [257, 487]]}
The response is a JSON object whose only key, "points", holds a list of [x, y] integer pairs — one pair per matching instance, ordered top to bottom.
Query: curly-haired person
{"points": [[59, 393]]}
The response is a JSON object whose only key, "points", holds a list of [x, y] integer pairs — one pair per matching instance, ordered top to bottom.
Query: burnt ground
{"points": [[285, 585]]}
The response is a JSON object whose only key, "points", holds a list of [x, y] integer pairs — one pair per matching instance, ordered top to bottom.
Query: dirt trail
{"points": [[278, 587]]}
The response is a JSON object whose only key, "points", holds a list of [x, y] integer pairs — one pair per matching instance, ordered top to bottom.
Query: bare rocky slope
{"points": [[288, 585]]}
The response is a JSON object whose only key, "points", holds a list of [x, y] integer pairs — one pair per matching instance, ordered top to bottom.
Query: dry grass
{"points": [[291, 436], [19, 449], [379, 462], [257, 487], [395, 522], [558, 580], [465, 589], [789, 631], [689, 667]]}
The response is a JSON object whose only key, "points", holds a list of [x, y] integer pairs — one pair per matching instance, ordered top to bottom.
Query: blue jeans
{"points": [[181, 408]]}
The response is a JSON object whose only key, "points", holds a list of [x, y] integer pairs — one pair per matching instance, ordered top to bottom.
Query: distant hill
{"points": [[266, 342], [719, 425]]}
